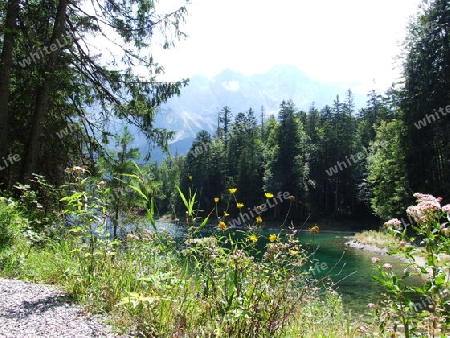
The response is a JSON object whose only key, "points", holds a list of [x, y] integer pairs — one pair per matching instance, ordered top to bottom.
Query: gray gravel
{"points": [[366, 247], [34, 310]]}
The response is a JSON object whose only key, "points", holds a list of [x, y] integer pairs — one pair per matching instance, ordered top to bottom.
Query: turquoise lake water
{"points": [[354, 270]]}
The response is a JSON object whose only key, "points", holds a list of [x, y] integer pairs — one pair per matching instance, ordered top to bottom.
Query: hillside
{"points": [[197, 106]]}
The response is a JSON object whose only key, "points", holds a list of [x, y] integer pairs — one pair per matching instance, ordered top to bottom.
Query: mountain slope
{"points": [[197, 106]]}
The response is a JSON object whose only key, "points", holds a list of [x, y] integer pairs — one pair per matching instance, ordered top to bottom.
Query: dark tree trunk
{"points": [[5, 70], [43, 94]]}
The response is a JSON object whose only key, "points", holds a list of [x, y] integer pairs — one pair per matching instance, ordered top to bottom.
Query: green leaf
{"points": [[139, 191], [186, 204], [191, 204], [150, 214], [203, 223], [406, 275], [440, 280], [386, 284], [418, 290], [230, 296]]}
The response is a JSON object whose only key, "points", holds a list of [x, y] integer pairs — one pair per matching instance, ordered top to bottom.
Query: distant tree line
{"points": [[318, 156], [337, 161]]}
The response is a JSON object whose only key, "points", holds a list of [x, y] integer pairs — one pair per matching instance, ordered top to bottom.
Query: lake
{"points": [[354, 271]]}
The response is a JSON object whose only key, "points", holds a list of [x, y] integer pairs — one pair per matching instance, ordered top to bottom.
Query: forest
{"points": [[78, 79], [59, 100]]}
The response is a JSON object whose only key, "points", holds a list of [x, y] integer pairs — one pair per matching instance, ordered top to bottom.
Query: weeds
{"points": [[219, 285], [410, 310]]}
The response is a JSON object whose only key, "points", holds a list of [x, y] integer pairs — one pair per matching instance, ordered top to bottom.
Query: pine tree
{"points": [[6, 62], [56, 86], [425, 98], [116, 164], [387, 171]]}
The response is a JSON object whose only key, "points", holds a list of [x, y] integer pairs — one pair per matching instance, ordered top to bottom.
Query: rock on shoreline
{"points": [[353, 243]]}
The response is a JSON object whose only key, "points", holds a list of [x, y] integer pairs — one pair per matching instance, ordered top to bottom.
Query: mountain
{"points": [[197, 106]]}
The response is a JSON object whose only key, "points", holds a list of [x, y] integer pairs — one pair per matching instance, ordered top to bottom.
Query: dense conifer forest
{"points": [[58, 101], [232, 254]]}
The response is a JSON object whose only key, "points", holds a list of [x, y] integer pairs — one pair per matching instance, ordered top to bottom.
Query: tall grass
{"points": [[376, 238], [215, 286], [157, 290]]}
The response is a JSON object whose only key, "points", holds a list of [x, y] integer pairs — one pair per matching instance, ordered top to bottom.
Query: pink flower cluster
{"points": [[76, 169], [425, 208], [446, 208], [392, 223], [386, 266]]}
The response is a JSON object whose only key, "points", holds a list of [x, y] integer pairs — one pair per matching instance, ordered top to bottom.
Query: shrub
{"points": [[418, 311]]}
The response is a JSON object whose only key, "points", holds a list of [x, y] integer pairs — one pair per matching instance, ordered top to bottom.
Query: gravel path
{"points": [[33, 310]]}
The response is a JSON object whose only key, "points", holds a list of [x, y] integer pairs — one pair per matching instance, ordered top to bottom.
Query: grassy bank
{"points": [[377, 238], [227, 284], [208, 287]]}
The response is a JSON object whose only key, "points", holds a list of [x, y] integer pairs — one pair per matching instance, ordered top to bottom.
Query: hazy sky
{"points": [[353, 41]]}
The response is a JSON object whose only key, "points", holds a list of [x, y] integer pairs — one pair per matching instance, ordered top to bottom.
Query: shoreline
{"points": [[353, 243], [420, 261]]}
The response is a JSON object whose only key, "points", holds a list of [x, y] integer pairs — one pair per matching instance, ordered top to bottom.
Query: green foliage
{"points": [[425, 97], [63, 101], [290, 167], [387, 171], [169, 174], [146, 189], [39, 200], [188, 203], [86, 207], [12, 223], [16, 236], [219, 285], [420, 310]]}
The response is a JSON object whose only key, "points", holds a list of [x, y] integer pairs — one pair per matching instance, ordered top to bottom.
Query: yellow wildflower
{"points": [[190, 177], [232, 190], [268, 195], [292, 198], [216, 199], [240, 205], [258, 208], [226, 214], [258, 219], [222, 226], [315, 229], [272, 237], [253, 238], [293, 252]]}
